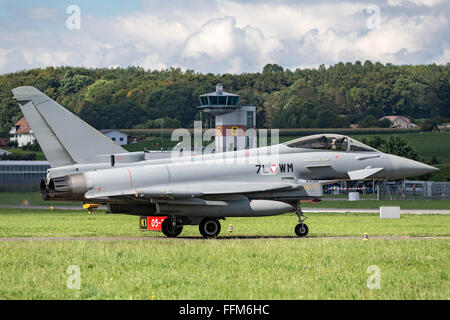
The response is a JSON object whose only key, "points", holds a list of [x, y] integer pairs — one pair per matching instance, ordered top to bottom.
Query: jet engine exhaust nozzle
{"points": [[71, 187], [44, 190]]}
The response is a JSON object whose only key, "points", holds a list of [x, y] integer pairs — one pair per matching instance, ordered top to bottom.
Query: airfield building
{"points": [[235, 124], [21, 133], [116, 136], [22, 175]]}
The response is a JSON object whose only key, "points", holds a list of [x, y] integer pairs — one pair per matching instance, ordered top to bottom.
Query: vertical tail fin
{"points": [[64, 138]]}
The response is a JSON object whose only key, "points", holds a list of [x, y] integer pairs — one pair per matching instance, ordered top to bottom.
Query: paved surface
{"points": [[14, 206], [306, 210], [402, 211], [137, 238]]}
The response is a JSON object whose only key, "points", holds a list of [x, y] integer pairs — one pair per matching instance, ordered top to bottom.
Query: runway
{"points": [[305, 209], [402, 211], [143, 238]]}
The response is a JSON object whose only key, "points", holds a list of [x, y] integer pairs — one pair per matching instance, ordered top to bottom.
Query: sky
{"points": [[221, 36]]}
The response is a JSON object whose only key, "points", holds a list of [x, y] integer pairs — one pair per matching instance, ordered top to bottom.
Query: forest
{"points": [[323, 97]]}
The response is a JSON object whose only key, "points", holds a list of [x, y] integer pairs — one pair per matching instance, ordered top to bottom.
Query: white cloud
{"points": [[428, 3], [290, 20], [150, 29], [229, 36], [217, 38], [233, 49]]}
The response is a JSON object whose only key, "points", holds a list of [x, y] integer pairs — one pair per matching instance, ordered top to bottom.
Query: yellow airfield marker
{"points": [[91, 207]]}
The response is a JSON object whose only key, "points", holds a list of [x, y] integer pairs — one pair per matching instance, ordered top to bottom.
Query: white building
{"points": [[400, 122], [444, 127], [22, 133], [116, 136]]}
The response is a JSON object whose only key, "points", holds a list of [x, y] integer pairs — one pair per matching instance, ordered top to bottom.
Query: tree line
{"points": [[324, 97]]}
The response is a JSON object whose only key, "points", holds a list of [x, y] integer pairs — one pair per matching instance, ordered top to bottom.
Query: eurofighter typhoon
{"points": [[197, 190]]}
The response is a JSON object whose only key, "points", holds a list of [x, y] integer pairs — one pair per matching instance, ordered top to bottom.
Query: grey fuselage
{"points": [[254, 182]]}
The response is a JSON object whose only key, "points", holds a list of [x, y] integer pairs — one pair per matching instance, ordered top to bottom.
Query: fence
{"points": [[413, 190]]}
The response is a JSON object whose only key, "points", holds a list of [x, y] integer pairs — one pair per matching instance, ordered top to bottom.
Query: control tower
{"points": [[232, 120]]}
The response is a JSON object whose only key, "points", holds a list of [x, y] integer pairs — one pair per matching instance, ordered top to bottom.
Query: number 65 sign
{"points": [[151, 223]]}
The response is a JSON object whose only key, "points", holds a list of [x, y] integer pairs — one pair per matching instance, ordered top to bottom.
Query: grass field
{"points": [[427, 144], [20, 151], [34, 199], [43, 223], [230, 267], [215, 269]]}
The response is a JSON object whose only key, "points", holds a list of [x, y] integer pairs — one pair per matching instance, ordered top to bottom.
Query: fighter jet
{"points": [[197, 190]]}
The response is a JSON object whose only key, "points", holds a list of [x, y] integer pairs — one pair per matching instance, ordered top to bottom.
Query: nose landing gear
{"points": [[209, 228], [301, 229]]}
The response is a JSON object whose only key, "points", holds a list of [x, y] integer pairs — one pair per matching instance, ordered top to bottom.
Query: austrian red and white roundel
{"points": [[273, 168]]}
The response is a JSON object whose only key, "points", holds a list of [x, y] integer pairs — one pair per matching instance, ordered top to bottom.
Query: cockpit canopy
{"points": [[334, 142]]}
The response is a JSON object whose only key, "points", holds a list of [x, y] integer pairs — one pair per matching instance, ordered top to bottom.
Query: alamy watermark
{"points": [[73, 22], [373, 22], [230, 146], [74, 280], [374, 280]]}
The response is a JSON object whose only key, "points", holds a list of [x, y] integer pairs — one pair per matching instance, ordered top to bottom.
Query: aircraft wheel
{"points": [[209, 228], [169, 229], [301, 230]]}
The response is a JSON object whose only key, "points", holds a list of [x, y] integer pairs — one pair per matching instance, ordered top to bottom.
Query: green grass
{"points": [[150, 144], [427, 144], [39, 154], [32, 199], [375, 204], [43, 223], [227, 267], [215, 269]]}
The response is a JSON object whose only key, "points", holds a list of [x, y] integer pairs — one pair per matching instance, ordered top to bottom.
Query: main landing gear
{"points": [[172, 226], [301, 229]]}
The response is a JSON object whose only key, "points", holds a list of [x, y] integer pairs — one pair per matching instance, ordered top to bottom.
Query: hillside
{"points": [[332, 97]]}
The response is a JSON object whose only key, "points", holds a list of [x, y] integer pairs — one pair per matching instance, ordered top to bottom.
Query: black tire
{"points": [[209, 228], [169, 230], [301, 230]]}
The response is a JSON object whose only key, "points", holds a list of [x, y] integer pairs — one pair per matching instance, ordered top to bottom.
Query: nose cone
{"points": [[404, 168]]}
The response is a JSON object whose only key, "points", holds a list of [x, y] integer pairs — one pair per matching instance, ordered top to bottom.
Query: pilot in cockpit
{"points": [[323, 142], [333, 143]]}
